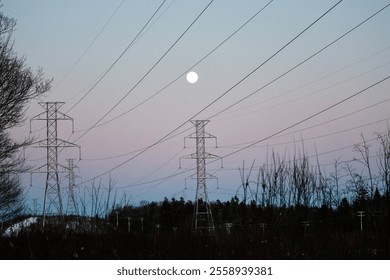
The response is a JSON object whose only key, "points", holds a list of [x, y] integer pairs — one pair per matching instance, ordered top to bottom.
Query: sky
{"points": [[124, 98]]}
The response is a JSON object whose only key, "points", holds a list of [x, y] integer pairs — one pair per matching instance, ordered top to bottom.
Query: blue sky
{"points": [[55, 34]]}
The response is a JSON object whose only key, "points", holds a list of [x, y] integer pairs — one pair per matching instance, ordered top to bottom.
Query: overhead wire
{"points": [[90, 44], [118, 58], [203, 58], [302, 62], [188, 69], [147, 73], [99, 79], [316, 80], [308, 94], [222, 95], [309, 117], [310, 127], [276, 133], [234, 146], [133, 152], [323, 153], [337, 162], [177, 172]]}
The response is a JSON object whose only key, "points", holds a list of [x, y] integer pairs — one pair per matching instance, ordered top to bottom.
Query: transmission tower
{"points": [[52, 200], [71, 207], [202, 217]]}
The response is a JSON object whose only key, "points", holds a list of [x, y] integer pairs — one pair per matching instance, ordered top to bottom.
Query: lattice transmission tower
{"points": [[52, 198], [71, 207], [202, 217]]}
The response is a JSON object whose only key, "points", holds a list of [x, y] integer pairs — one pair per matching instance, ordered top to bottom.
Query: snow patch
{"points": [[15, 229]]}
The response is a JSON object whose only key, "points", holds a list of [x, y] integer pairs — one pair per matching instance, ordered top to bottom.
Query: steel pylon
{"points": [[52, 198], [202, 216]]}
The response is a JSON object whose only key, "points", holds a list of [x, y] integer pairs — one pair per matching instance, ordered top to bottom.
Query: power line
{"points": [[344, 35], [91, 44], [119, 57], [299, 64], [188, 69], [147, 73], [316, 80], [308, 94], [218, 98], [310, 117], [320, 124], [310, 138], [132, 152], [324, 153], [176, 173]]}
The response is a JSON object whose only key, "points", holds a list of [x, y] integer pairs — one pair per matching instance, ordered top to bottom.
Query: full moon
{"points": [[192, 77]]}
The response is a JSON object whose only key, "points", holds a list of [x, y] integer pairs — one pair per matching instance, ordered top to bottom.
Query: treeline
{"points": [[172, 215], [243, 231]]}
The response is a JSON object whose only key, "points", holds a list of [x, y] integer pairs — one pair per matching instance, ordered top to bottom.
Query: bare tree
{"points": [[18, 86], [364, 150], [384, 160], [335, 178], [300, 179], [111, 185], [356, 185], [11, 202]]}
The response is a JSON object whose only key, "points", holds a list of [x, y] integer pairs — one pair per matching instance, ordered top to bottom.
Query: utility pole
{"points": [[52, 198], [361, 215], [202, 217]]}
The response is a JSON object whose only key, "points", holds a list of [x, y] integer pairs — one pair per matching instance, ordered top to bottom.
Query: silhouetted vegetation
{"points": [[18, 86], [293, 211], [163, 231]]}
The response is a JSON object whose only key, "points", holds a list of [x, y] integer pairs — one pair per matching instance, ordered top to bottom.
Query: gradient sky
{"points": [[54, 34]]}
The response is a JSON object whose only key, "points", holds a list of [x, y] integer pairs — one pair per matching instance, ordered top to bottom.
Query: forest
{"points": [[163, 231]]}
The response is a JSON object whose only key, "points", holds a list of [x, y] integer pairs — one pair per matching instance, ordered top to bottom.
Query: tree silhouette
{"points": [[18, 86]]}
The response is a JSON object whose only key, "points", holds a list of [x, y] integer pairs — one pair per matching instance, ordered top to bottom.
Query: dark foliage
{"points": [[163, 231]]}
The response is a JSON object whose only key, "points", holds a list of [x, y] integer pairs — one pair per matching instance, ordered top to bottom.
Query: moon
{"points": [[192, 77]]}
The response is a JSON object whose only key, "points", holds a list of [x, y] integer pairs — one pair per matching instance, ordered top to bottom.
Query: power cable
{"points": [[90, 45], [119, 57], [299, 64], [188, 69], [147, 73], [316, 80], [308, 94], [218, 98], [310, 117], [310, 138], [132, 152], [175, 173]]}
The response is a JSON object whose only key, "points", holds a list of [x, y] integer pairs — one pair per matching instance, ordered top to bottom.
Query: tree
{"points": [[18, 86], [364, 150], [384, 160]]}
